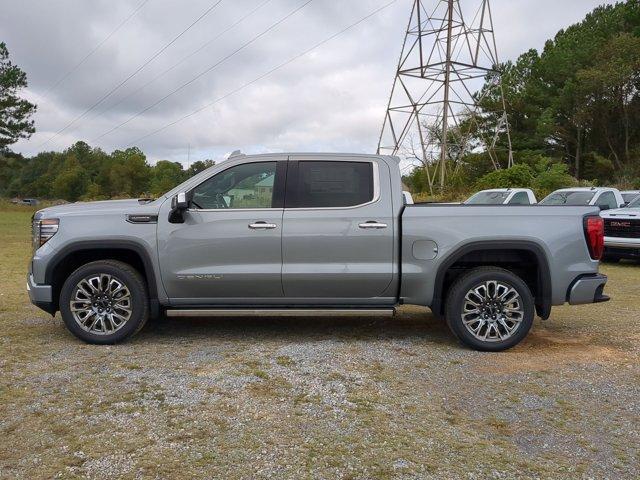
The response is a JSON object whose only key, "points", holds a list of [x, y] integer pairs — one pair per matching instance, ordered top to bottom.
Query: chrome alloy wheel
{"points": [[101, 304], [492, 311]]}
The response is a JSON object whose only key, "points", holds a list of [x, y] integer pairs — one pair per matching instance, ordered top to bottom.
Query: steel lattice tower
{"points": [[433, 112]]}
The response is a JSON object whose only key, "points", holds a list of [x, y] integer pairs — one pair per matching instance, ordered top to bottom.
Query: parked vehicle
{"points": [[630, 195], [503, 196], [605, 198], [25, 201], [622, 232], [311, 234]]}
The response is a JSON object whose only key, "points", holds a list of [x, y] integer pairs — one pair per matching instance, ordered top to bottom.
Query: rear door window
{"points": [[326, 184], [520, 198], [607, 199]]}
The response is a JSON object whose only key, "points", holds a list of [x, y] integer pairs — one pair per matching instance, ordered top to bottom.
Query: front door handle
{"points": [[373, 224], [262, 226]]}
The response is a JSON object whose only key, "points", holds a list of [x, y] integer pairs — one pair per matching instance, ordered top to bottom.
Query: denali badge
{"points": [[621, 224], [202, 276]]}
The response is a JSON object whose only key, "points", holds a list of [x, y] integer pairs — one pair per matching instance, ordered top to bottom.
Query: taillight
{"points": [[594, 233]]}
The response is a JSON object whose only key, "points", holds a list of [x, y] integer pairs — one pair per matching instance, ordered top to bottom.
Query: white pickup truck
{"points": [[503, 196], [604, 197], [622, 232]]}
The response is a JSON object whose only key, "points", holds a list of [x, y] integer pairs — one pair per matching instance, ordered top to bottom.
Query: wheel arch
{"points": [[501, 254], [73, 256]]}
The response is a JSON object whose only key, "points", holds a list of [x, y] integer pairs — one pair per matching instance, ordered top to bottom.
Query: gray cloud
{"points": [[332, 99]]}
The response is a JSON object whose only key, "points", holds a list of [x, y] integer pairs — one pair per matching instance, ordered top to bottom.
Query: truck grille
{"points": [[621, 228]]}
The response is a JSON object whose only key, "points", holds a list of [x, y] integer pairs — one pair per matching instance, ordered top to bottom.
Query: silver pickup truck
{"points": [[311, 234]]}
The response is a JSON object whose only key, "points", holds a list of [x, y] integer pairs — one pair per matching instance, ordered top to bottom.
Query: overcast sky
{"points": [[332, 99]]}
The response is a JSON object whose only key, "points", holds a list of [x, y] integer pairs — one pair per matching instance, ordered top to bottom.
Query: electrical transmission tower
{"points": [[433, 114]]}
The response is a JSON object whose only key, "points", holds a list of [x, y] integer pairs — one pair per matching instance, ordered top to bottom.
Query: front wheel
{"points": [[104, 302], [490, 309]]}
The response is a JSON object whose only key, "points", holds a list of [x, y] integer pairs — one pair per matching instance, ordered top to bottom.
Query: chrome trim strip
{"points": [[630, 245], [288, 312]]}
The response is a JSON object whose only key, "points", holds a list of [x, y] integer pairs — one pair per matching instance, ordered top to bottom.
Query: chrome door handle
{"points": [[375, 225], [262, 226]]}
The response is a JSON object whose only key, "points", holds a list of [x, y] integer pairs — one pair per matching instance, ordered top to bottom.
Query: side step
{"points": [[283, 312]]}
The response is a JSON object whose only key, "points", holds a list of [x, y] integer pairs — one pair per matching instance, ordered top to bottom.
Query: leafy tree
{"points": [[15, 112], [199, 166], [129, 173], [166, 175], [520, 176], [550, 177], [72, 183]]}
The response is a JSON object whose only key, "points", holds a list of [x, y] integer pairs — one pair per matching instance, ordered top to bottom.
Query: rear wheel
{"points": [[104, 302], [490, 309]]}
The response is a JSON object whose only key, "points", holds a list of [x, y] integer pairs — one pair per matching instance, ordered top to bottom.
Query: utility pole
{"points": [[447, 88], [433, 115]]}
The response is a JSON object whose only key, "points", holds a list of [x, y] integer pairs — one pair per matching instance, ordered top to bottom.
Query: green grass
{"points": [[315, 398]]}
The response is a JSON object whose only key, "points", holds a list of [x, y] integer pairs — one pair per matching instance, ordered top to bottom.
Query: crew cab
{"points": [[503, 196], [603, 197], [622, 232], [311, 234]]}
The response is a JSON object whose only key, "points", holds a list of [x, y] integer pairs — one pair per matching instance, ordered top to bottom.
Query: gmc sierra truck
{"points": [[622, 232], [311, 234]]}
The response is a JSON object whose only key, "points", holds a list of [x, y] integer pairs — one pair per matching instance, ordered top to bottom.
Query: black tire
{"points": [[610, 259], [473, 279], [139, 301]]}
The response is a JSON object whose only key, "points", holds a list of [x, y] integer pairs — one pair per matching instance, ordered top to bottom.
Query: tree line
{"points": [[573, 109], [82, 172]]}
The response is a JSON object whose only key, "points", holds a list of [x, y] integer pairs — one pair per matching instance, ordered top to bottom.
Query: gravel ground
{"points": [[351, 398]]}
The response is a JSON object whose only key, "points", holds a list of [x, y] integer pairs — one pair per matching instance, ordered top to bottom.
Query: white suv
{"points": [[503, 196], [605, 198]]}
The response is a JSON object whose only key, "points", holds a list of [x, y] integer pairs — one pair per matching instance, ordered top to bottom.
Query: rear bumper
{"points": [[587, 289], [40, 295]]}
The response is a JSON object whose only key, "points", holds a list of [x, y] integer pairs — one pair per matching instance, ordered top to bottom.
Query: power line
{"points": [[235, 24], [95, 49], [147, 62], [209, 69], [266, 74]]}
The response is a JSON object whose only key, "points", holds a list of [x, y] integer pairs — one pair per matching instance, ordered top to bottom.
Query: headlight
{"points": [[43, 230]]}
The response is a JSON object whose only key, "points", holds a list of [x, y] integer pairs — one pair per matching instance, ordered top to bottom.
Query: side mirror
{"points": [[179, 204]]}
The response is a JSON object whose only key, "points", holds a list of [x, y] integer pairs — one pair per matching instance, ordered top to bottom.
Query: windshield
{"points": [[629, 197], [488, 198], [568, 198], [635, 203]]}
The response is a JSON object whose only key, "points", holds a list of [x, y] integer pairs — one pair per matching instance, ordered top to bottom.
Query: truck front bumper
{"points": [[588, 289], [40, 295]]}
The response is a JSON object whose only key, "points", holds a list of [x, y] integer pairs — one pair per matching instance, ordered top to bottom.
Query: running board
{"points": [[284, 312]]}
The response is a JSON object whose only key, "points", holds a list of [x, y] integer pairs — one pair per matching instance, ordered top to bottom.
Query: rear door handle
{"points": [[373, 225], [262, 226]]}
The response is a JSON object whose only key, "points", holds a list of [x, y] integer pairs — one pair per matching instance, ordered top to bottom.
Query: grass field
{"points": [[316, 398]]}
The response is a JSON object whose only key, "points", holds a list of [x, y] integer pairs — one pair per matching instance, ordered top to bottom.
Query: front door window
{"points": [[249, 185]]}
